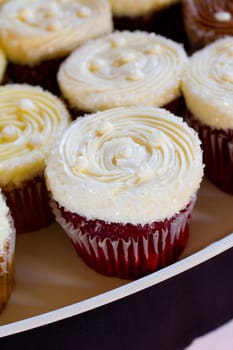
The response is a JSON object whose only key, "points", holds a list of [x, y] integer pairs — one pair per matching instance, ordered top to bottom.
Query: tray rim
{"points": [[120, 292]]}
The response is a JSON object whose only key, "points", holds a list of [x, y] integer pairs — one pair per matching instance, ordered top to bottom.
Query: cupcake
{"points": [[163, 17], [206, 21], [37, 35], [124, 69], [208, 91], [30, 120], [123, 184], [7, 252]]}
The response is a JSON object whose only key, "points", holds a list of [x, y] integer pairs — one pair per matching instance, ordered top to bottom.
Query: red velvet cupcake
{"points": [[208, 90], [30, 121], [123, 184]]}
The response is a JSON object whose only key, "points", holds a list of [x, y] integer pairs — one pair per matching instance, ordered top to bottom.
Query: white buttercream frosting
{"points": [[133, 8], [33, 31], [123, 69], [208, 84], [30, 121], [135, 164]]}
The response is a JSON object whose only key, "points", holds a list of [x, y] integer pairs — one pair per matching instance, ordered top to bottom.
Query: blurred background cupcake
{"points": [[163, 17], [206, 21], [37, 35], [124, 69], [208, 91], [30, 120], [124, 182], [7, 253]]}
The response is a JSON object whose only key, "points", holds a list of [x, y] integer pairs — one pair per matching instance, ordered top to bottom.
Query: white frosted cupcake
{"points": [[37, 35], [124, 69], [208, 91], [30, 121], [123, 183], [7, 253]]}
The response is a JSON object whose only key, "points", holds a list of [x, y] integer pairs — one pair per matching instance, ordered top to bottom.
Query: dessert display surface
{"points": [[52, 282]]}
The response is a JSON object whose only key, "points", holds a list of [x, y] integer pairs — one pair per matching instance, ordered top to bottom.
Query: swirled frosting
{"points": [[139, 7], [208, 20], [33, 31], [123, 69], [208, 84], [30, 121], [128, 165], [6, 229]]}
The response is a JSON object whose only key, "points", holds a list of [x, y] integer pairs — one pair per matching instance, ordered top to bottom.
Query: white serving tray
{"points": [[52, 282]]}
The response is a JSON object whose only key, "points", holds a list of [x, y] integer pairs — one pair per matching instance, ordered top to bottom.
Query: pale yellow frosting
{"points": [[133, 8], [33, 31], [123, 69], [208, 84], [30, 121], [135, 164], [7, 231]]}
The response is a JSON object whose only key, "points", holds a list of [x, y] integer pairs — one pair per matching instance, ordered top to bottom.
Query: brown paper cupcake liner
{"points": [[217, 147], [29, 205], [126, 251], [7, 267]]}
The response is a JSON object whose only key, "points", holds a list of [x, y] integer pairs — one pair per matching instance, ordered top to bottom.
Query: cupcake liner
{"points": [[167, 22], [43, 74], [217, 147], [29, 205], [126, 251], [7, 267]]}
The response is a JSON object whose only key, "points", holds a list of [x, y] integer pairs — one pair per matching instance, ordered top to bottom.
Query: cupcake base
{"points": [[167, 22], [43, 74], [217, 147], [29, 205], [126, 251], [7, 268]]}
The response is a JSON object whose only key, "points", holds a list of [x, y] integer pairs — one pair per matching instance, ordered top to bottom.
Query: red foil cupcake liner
{"points": [[217, 147], [29, 205], [126, 251], [7, 267]]}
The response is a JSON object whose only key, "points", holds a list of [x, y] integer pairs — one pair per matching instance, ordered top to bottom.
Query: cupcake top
{"points": [[134, 8], [207, 20], [34, 31], [123, 69], [208, 84], [30, 121], [126, 165], [6, 229]]}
